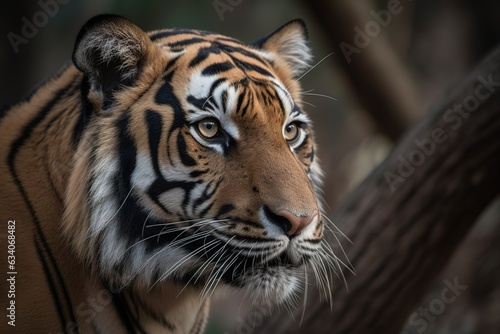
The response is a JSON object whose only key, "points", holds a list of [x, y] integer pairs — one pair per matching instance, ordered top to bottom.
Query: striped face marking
{"points": [[213, 102], [209, 172]]}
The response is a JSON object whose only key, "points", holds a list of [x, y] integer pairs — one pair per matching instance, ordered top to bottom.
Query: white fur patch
{"points": [[289, 45], [109, 46], [294, 50], [143, 174], [102, 197], [172, 199], [112, 248], [272, 286]]}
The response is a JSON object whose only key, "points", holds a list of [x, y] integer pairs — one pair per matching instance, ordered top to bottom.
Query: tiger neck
{"points": [[52, 143], [53, 148], [167, 308]]}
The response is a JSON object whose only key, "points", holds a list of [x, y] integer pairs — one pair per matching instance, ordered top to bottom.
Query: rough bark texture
{"points": [[445, 171]]}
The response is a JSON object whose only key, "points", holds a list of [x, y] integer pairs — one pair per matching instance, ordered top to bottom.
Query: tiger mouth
{"points": [[283, 260], [240, 275]]}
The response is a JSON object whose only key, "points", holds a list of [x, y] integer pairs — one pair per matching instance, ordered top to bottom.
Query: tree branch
{"points": [[378, 77], [406, 219]]}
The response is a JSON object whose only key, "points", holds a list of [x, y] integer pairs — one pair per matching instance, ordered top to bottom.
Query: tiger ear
{"points": [[289, 43], [111, 51]]}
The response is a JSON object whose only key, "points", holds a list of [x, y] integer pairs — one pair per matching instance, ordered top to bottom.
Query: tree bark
{"points": [[406, 219]]}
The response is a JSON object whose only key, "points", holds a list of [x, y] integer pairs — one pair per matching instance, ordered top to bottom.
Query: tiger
{"points": [[155, 169]]}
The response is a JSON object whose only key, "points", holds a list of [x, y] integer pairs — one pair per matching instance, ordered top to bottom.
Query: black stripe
{"points": [[180, 31], [172, 32], [187, 42], [247, 53], [203, 54], [245, 66], [217, 68], [166, 96], [275, 97], [204, 102], [239, 103], [248, 104], [296, 111], [85, 112], [154, 123], [304, 142], [16, 146], [186, 159], [196, 173], [160, 185], [205, 196], [224, 209], [205, 211], [131, 215], [244, 221], [52, 287], [152, 314], [127, 318]]}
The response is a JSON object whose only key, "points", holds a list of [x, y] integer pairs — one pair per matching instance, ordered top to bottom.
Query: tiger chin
{"points": [[156, 168]]}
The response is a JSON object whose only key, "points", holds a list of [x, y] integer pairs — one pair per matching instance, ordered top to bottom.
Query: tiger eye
{"points": [[208, 128], [291, 132]]}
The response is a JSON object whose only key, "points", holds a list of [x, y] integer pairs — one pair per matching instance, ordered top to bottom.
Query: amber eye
{"points": [[208, 127], [291, 132]]}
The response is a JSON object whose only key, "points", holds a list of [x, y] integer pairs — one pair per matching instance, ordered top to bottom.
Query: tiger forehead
{"points": [[179, 36], [196, 48], [221, 77], [209, 96]]}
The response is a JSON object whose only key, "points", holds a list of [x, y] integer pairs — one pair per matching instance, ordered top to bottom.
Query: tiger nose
{"points": [[291, 223]]}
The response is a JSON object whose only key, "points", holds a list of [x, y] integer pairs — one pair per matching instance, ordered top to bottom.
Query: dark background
{"points": [[433, 44]]}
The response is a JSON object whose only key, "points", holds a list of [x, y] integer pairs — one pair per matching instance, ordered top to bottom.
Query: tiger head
{"points": [[196, 164]]}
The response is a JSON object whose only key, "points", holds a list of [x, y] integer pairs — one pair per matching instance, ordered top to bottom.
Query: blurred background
{"points": [[384, 66]]}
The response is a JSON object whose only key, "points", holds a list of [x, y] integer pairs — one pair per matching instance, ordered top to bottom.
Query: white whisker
{"points": [[312, 68], [321, 95], [310, 104], [114, 215], [333, 224], [143, 225], [182, 228], [171, 246], [181, 262], [209, 281], [304, 305]]}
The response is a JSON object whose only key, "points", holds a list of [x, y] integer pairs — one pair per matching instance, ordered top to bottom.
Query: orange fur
{"points": [[49, 170]]}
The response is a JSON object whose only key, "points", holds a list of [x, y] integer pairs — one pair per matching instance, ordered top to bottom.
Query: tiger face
{"points": [[196, 164]]}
